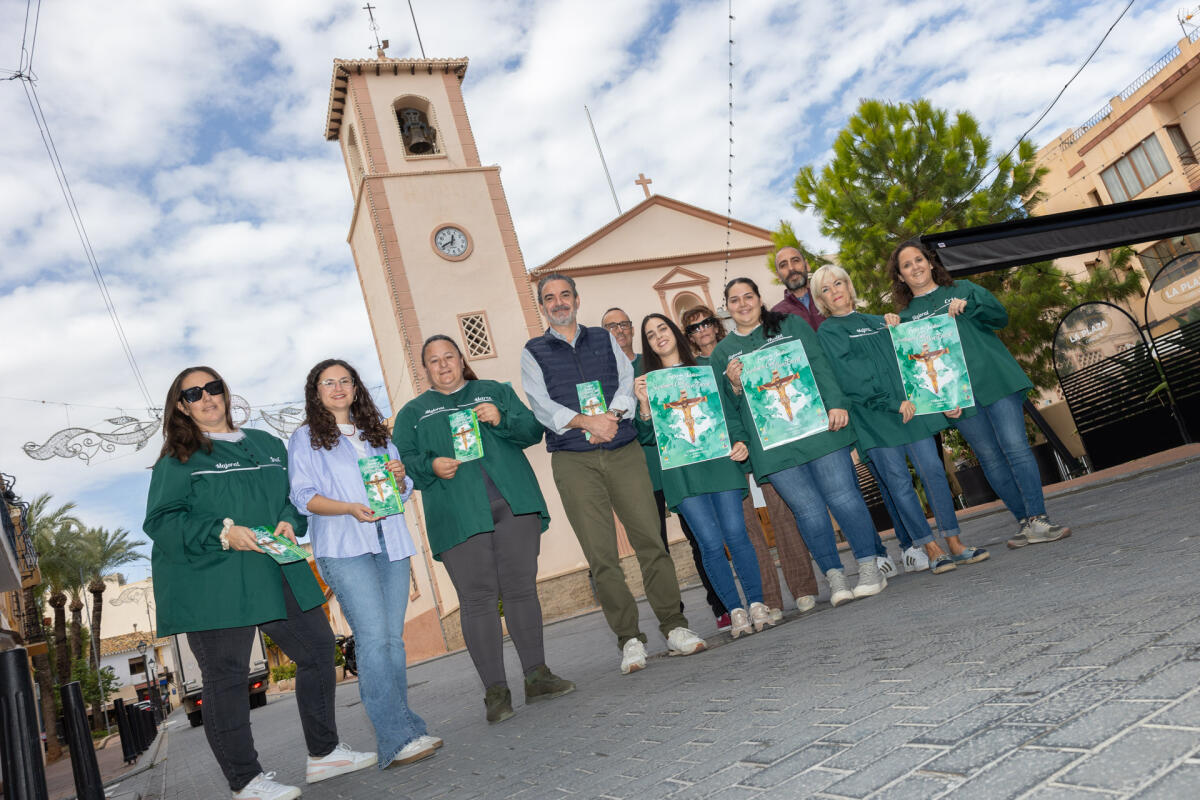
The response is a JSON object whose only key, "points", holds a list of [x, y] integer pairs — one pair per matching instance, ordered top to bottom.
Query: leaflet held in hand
{"points": [[591, 401], [464, 433], [383, 495], [278, 546]]}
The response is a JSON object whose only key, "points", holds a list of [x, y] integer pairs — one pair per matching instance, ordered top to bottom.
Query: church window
{"points": [[418, 129], [476, 335]]}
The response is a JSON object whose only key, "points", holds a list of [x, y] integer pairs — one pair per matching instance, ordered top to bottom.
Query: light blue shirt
{"points": [[555, 416], [335, 474]]}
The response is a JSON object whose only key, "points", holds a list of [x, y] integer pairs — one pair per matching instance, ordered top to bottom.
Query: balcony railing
{"points": [[1145, 77], [20, 540]]}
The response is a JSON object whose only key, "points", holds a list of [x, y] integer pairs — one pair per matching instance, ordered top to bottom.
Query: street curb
{"points": [[147, 761]]}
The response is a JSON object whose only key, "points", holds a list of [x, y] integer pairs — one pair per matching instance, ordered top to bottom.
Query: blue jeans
{"points": [[997, 435], [893, 466], [828, 481], [717, 522], [902, 534], [373, 593]]}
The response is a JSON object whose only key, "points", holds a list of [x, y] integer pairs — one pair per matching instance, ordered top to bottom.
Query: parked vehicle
{"points": [[190, 685]]}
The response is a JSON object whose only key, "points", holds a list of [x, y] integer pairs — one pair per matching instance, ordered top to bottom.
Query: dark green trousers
{"points": [[592, 486]]}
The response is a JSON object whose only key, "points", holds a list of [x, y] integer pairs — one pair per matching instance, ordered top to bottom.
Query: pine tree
{"points": [[903, 169]]}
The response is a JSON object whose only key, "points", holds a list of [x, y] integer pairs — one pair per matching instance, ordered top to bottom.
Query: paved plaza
{"points": [[1067, 671]]}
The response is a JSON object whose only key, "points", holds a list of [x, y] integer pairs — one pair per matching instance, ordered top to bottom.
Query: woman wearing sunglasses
{"points": [[921, 287], [705, 331], [889, 433], [811, 474], [213, 483], [709, 494], [485, 515], [365, 559]]}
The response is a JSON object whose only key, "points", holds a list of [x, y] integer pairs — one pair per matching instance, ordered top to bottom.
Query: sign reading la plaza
{"points": [[1184, 291]]}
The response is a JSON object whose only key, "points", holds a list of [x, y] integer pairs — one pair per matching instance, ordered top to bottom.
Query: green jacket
{"points": [[861, 353], [994, 372], [737, 412], [653, 464], [707, 477], [457, 509], [197, 585]]}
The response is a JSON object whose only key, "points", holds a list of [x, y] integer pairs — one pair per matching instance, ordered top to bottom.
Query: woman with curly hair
{"points": [[995, 428], [213, 483], [485, 516], [365, 559]]}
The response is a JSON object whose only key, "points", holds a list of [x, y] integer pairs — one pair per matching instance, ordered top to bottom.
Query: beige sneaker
{"points": [[806, 603], [760, 616], [741, 622]]}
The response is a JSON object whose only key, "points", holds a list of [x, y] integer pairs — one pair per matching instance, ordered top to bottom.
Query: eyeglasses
{"points": [[704, 323], [619, 326], [329, 383], [214, 389]]}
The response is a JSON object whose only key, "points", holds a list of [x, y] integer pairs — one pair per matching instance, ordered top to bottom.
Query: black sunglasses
{"points": [[704, 323], [213, 388]]}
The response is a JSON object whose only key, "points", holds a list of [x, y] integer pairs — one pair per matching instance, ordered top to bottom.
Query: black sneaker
{"points": [[542, 684], [498, 702]]}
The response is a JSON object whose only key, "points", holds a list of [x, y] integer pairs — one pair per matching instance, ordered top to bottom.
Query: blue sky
{"points": [[192, 134]]}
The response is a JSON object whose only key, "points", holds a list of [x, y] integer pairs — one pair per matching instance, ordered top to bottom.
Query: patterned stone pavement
{"points": [[1068, 670]]}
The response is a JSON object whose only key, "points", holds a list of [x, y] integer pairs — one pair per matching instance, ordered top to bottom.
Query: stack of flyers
{"points": [[591, 401], [464, 432], [383, 496], [279, 547]]}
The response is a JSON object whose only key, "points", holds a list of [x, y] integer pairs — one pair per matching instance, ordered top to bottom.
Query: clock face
{"points": [[450, 241]]}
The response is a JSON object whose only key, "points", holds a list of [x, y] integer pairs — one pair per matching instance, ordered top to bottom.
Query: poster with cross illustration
{"points": [[932, 366], [781, 392], [685, 407], [464, 432], [382, 495]]}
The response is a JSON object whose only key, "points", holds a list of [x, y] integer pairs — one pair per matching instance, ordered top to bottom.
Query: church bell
{"points": [[418, 135]]}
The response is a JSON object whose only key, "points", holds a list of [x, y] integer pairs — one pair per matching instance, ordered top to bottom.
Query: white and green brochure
{"points": [[932, 366], [782, 394], [591, 401], [464, 432], [383, 495], [278, 546]]}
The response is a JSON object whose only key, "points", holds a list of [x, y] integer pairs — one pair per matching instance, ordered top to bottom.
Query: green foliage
{"points": [[903, 169], [786, 237], [283, 672], [95, 684]]}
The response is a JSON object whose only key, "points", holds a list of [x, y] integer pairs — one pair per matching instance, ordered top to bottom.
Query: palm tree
{"points": [[43, 524], [106, 551], [58, 552]]}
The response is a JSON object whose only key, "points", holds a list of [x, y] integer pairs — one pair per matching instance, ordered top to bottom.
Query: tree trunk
{"points": [[97, 590], [76, 630], [62, 652], [45, 679]]}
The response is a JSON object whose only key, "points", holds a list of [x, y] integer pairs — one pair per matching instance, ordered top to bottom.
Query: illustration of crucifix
{"points": [[929, 357], [779, 386], [685, 404], [592, 407], [463, 435], [377, 483]]}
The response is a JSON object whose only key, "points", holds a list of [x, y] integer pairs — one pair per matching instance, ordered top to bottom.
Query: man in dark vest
{"points": [[792, 268], [580, 386]]}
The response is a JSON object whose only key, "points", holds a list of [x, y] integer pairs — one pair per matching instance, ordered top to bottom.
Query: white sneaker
{"points": [[915, 559], [887, 567], [870, 580], [839, 591], [806, 603], [760, 616], [776, 616], [740, 623], [682, 642], [633, 656], [419, 748], [338, 762], [263, 787]]}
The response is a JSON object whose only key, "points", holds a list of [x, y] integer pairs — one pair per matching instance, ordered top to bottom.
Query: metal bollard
{"points": [[150, 727], [20, 733], [139, 739], [128, 745], [84, 767]]}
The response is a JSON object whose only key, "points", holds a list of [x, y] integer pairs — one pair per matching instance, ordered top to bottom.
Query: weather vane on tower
{"points": [[380, 47]]}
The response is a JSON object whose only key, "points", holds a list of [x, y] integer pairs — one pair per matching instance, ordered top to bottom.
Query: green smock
{"points": [[861, 353], [994, 372], [737, 412], [653, 464], [457, 509], [197, 585]]}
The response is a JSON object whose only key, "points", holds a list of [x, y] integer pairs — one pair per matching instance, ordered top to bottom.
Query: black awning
{"points": [[1025, 241]]}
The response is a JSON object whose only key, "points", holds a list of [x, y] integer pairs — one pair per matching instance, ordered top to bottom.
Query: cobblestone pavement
{"points": [[1067, 670]]}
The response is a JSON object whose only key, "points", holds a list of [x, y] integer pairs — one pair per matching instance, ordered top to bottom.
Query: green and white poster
{"points": [[932, 367], [781, 391], [591, 401], [685, 406], [464, 431], [382, 494]]}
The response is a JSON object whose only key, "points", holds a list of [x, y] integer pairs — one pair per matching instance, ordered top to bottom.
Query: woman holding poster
{"points": [[921, 289], [783, 400], [676, 413], [889, 432], [462, 442], [347, 478], [212, 484]]}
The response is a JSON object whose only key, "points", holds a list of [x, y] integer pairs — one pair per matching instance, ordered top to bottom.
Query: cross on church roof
{"points": [[644, 182]]}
